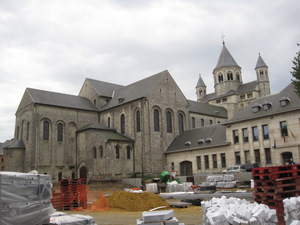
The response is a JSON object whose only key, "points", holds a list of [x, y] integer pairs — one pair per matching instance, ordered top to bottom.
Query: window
{"points": [[229, 76], [237, 76], [220, 77], [249, 95], [242, 97], [224, 99], [218, 101], [284, 101], [266, 105], [256, 107], [156, 119], [138, 121], [108, 122], [169, 122], [193, 122], [202, 122], [210, 122], [180, 123], [122, 124], [265, 129], [283, 129], [46, 130], [22, 131], [60, 132], [27, 133], [255, 133], [245, 135], [235, 136], [101, 151], [117, 152], [128, 152], [95, 153], [257, 156], [268, 156], [247, 157], [237, 158], [223, 160], [206, 161], [199, 162], [215, 163], [172, 166]]}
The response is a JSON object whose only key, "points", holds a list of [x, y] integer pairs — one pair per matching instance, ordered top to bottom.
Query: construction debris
{"points": [[292, 210]]}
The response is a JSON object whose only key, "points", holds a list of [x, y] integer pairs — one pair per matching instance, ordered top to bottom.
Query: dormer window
{"points": [[121, 100], [284, 101], [266, 105], [256, 107], [208, 140], [201, 141], [187, 143]]}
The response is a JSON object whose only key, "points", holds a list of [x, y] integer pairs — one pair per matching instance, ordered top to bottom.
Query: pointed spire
{"points": [[226, 59], [260, 62], [200, 82]]}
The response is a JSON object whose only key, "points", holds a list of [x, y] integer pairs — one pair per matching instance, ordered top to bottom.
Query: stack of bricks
{"points": [[274, 184], [73, 193], [164, 217]]}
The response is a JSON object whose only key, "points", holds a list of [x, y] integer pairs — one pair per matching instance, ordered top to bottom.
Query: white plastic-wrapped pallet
{"points": [[25, 198], [292, 210], [236, 211]]}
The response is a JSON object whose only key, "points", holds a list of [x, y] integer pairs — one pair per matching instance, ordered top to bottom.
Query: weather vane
{"points": [[223, 36]]}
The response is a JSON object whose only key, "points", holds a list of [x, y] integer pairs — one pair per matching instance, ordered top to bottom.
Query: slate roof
{"points": [[226, 59], [260, 62], [200, 82], [247, 87], [104, 89], [135, 90], [60, 100], [207, 109], [248, 114], [216, 132], [106, 133], [18, 144], [1, 149]]}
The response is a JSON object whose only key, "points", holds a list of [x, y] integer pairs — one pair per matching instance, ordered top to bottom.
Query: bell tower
{"points": [[262, 77], [200, 89]]}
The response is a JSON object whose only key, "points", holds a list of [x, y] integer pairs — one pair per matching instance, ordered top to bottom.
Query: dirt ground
{"points": [[191, 215]]}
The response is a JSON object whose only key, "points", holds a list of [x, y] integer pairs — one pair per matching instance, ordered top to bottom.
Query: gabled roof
{"points": [[226, 59], [260, 62], [200, 82], [247, 87], [104, 89], [135, 90], [60, 100], [207, 109], [248, 114], [106, 133], [199, 138]]}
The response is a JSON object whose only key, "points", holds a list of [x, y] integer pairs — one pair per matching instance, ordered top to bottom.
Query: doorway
{"points": [[287, 157]]}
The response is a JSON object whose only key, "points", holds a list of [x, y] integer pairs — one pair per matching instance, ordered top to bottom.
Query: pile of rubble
{"points": [[292, 210], [236, 211]]}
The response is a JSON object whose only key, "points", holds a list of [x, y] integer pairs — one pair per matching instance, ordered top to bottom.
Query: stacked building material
{"points": [[220, 181], [274, 184], [174, 186], [73, 193], [25, 198], [292, 210], [236, 211], [164, 217], [75, 219]]}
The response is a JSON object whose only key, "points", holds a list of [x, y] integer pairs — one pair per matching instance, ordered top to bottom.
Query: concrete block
{"points": [[157, 216], [172, 221], [253, 221], [141, 222], [295, 222]]}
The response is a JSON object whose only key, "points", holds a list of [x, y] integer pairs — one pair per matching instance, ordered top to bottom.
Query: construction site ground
{"points": [[189, 216]]}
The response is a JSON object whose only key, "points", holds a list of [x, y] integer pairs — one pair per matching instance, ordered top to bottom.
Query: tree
{"points": [[296, 72]]}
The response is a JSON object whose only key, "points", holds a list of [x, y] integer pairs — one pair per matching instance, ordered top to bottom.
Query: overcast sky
{"points": [[54, 45]]}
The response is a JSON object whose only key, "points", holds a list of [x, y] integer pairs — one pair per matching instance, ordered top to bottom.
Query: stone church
{"points": [[123, 131]]}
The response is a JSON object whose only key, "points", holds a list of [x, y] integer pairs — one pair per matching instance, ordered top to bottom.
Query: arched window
{"points": [[229, 76], [237, 76], [220, 77], [156, 119], [138, 121], [108, 122], [169, 122], [193, 122], [202, 122], [180, 123], [122, 124], [60, 129], [46, 130], [22, 131], [101, 151], [95, 152], [117, 152], [128, 152]]}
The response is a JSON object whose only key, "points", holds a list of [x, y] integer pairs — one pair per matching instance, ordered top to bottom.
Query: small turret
{"points": [[262, 77], [200, 89]]}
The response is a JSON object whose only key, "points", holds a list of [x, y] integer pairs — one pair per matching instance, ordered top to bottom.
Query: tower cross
{"points": [[223, 37]]}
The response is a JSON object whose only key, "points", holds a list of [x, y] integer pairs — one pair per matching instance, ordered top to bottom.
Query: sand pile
{"points": [[135, 202]]}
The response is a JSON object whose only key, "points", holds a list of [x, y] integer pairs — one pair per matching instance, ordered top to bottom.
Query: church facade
{"points": [[126, 131]]}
